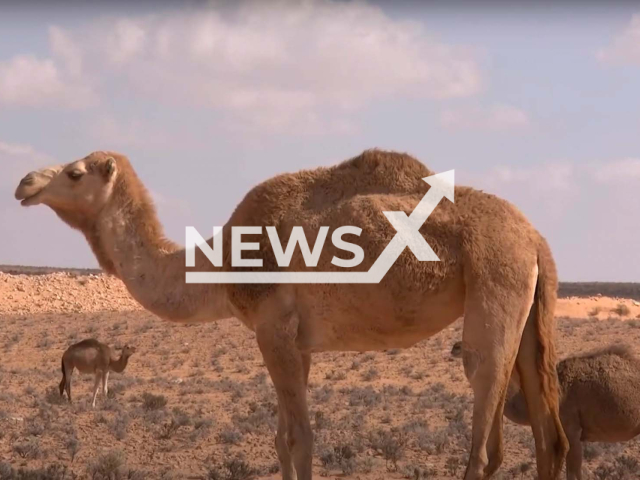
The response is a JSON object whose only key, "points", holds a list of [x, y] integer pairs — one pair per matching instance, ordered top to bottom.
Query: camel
{"points": [[493, 267], [91, 356], [598, 402]]}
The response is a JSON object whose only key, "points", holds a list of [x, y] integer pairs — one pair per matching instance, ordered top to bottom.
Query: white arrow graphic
{"points": [[408, 235]]}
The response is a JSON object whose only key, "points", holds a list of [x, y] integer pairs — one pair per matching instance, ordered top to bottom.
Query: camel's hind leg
{"points": [[491, 337], [288, 368], [64, 378], [105, 381], [67, 382], [96, 388], [574, 457]]}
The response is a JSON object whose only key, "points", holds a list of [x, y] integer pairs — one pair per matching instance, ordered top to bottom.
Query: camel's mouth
{"points": [[30, 188], [28, 192], [29, 201]]}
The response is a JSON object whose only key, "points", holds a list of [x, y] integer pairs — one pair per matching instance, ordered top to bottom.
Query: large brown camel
{"points": [[494, 267], [598, 400]]}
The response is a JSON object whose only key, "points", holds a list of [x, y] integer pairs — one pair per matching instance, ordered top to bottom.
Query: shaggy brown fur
{"points": [[494, 267], [91, 356], [599, 399]]}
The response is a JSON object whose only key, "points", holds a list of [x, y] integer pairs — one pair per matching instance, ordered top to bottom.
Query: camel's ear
{"points": [[108, 168]]}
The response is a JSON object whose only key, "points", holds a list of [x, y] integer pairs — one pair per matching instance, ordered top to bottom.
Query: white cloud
{"points": [[125, 41], [625, 47], [66, 51], [277, 65], [26, 80], [29, 81], [494, 118], [112, 133], [18, 150], [16, 160], [617, 171], [561, 175], [550, 176], [560, 181], [546, 192]]}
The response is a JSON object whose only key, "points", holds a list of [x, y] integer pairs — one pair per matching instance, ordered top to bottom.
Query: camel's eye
{"points": [[75, 175]]}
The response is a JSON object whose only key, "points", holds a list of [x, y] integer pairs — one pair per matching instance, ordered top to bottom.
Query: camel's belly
{"points": [[373, 322], [359, 340], [85, 370], [606, 402], [610, 428], [610, 435]]}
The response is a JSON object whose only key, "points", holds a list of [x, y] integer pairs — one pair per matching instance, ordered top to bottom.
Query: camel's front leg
{"points": [[289, 369], [282, 448]]}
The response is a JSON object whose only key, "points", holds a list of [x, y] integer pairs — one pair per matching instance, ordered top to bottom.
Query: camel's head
{"points": [[75, 191], [128, 350]]}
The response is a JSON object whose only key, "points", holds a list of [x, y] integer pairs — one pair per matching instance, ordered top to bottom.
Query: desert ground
{"points": [[195, 401]]}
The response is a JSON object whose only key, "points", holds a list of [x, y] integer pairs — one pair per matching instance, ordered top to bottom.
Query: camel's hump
{"points": [[377, 171], [373, 172]]}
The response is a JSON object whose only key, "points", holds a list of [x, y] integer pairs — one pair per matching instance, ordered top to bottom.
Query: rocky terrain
{"points": [[196, 401]]}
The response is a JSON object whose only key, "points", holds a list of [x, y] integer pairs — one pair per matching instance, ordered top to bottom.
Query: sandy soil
{"points": [[379, 415]]}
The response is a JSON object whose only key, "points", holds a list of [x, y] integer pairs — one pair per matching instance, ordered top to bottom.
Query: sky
{"points": [[537, 103]]}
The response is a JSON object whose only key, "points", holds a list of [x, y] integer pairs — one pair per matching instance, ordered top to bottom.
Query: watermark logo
{"points": [[407, 235]]}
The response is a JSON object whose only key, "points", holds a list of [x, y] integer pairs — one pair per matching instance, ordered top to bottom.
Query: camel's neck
{"points": [[131, 242], [119, 365]]}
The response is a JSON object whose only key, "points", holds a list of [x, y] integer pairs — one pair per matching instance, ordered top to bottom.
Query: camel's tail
{"points": [[536, 364], [64, 379]]}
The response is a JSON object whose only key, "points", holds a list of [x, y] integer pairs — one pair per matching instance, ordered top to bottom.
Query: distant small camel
{"points": [[91, 356], [599, 400]]}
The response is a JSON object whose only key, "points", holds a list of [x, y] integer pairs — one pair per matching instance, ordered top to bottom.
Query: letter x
{"points": [[409, 235]]}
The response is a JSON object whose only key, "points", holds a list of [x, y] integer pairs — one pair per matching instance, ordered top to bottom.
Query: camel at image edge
{"points": [[494, 268], [598, 399]]}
